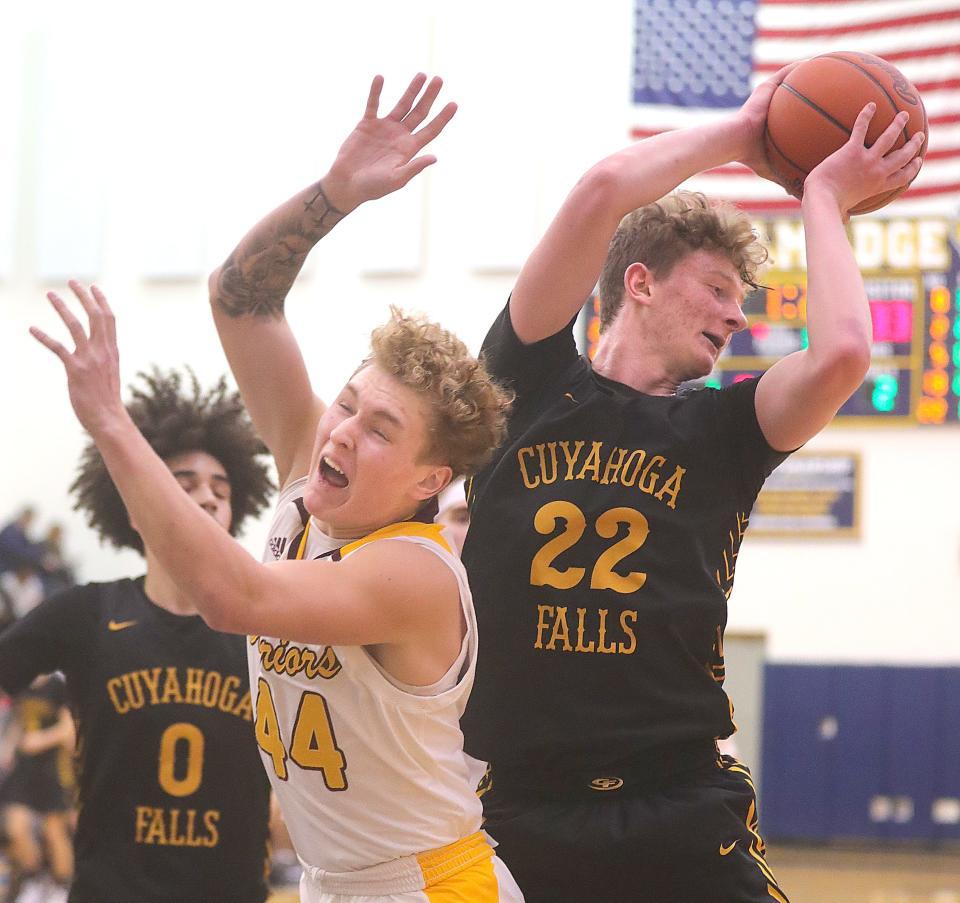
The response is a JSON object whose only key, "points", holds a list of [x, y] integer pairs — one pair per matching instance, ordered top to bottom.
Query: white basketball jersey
{"points": [[364, 770]]}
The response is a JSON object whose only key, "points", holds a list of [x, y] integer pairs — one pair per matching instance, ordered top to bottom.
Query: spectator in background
{"points": [[453, 512], [17, 549], [23, 565], [58, 574], [22, 589], [35, 793]]}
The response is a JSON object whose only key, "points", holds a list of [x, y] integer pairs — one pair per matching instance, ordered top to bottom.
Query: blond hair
{"points": [[661, 234], [468, 410]]}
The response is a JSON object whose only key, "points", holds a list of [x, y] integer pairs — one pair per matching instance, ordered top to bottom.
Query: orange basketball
{"points": [[813, 110]]}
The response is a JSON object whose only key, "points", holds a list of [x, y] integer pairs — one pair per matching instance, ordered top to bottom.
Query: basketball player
{"points": [[453, 513], [604, 534], [361, 630], [36, 789], [173, 801]]}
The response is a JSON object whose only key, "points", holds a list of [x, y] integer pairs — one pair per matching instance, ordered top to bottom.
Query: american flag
{"points": [[695, 60]]}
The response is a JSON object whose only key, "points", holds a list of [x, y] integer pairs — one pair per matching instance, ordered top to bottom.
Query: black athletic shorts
{"points": [[34, 782], [691, 838]]}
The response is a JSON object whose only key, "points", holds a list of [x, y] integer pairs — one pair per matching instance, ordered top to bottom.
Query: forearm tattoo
{"points": [[256, 277]]}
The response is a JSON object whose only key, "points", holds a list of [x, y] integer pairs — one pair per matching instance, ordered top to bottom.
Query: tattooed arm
{"points": [[247, 292]]}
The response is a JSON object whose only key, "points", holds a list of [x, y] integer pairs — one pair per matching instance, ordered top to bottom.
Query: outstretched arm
{"points": [[563, 269], [247, 292], [799, 395], [380, 595]]}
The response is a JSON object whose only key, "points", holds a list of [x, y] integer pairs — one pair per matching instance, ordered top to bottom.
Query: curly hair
{"points": [[661, 234], [469, 409], [175, 417]]}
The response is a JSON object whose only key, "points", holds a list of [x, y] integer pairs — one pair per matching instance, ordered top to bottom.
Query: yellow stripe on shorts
{"points": [[461, 872]]}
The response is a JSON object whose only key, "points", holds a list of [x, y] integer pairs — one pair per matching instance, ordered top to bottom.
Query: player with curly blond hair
{"points": [[362, 636]]}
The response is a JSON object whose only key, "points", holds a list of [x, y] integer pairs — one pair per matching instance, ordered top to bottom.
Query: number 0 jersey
{"points": [[601, 552], [365, 769], [173, 803]]}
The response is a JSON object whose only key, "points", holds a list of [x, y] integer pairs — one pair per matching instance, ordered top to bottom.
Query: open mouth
{"points": [[715, 340], [333, 474]]}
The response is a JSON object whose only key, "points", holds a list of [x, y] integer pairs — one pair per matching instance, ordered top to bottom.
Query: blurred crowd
{"points": [[32, 567], [36, 730]]}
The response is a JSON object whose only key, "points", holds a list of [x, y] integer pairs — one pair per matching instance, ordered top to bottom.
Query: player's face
{"points": [[698, 306], [367, 469], [205, 480], [457, 520]]}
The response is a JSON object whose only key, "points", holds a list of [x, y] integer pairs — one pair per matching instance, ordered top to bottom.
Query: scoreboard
{"points": [[910, 270]]}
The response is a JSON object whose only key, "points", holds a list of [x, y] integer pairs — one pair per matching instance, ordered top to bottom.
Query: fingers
{"points": [[781, 74], [373, 98], [406, 101], [422, 109], [413, 115], [436, 125], [858, 134], [890, 134], [900, 157], [415, 167], [906, 173], [110, 321], [102, 322], [102, 325], [77, 332], [52, 344]]}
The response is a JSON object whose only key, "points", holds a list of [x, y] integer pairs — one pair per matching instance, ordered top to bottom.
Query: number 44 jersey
{"points": [[601, 551], [366, 769]]}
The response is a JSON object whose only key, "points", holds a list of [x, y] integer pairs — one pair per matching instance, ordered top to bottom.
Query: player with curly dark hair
{"points": [[175, 415], [161, 701]]}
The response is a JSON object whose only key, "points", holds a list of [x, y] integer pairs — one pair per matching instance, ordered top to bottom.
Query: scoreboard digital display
{"points": [[910, 270]]}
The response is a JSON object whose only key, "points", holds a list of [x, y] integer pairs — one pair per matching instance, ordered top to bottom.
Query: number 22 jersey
{"points": [[601, 551]]}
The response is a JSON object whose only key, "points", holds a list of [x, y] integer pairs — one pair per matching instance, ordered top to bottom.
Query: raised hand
{"points": [[751, 121], [382, 154], [856, 172], [93, 367]]}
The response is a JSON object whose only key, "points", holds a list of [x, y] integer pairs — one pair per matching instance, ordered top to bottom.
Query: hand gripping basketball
{"points": [[813, 110]]}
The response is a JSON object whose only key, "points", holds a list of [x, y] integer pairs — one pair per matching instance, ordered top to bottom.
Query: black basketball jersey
{"points": [[601, 552], [173, 800]]}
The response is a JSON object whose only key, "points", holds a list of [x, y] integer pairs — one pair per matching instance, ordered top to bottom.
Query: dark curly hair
{"points": [[176, 416]]}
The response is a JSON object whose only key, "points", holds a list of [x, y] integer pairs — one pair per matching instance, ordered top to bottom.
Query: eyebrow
{"points": [[724, 277], [738, 286], [381, 413], [192, 475]]}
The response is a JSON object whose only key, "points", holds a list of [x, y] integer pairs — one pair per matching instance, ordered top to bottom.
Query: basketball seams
{"points": [[879, 84], [820, 92], [816, 108], [792, 163]]}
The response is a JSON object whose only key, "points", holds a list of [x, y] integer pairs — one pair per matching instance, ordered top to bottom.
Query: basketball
{"points": [[813, 110]]}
